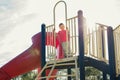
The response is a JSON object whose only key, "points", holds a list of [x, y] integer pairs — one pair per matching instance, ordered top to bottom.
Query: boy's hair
{"points": [[61, 24]]}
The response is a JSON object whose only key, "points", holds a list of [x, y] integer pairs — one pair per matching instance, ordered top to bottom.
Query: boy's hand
{"points": [[66, 28], [53, 29]]}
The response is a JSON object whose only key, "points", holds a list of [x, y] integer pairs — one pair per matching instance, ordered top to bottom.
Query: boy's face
{"points": [[61, 27]]}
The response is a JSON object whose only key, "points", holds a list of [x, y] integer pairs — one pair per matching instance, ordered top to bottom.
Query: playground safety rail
{"points": [[116, 33], [97, 42], [51, 51]]}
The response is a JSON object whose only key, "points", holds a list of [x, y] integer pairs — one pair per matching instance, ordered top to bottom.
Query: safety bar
{"points": [[54, 15], [116, 33]]}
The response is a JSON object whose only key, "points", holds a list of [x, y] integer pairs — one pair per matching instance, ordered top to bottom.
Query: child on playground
{"points": [[63, 38]]}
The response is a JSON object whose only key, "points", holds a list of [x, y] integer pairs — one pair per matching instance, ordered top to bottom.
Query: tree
{"points": [[90, 71], [27, 76]]}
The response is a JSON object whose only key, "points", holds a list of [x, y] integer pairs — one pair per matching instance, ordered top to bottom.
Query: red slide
{"points": [[26, 61]]}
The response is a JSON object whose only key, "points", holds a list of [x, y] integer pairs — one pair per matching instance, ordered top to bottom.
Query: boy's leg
{"points": [[65, 47]]}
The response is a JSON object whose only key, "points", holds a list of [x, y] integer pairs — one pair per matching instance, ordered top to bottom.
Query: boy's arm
{"points": [[53, 29], [67, 30], [55, 33], [68, 33]]}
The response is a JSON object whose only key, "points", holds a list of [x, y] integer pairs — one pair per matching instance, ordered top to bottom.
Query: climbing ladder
{"points": [[52, 65]]}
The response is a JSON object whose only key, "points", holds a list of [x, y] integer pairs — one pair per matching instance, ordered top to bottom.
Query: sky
{"points": [[21, 19]]}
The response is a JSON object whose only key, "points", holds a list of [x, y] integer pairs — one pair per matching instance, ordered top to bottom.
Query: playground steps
{"points": [[59, 63]]}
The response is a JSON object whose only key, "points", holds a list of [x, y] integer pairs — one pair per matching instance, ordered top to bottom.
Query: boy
{"points": [[63, 38]]}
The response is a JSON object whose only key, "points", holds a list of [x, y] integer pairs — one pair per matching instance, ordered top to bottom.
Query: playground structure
{"points": [[98, 48]]}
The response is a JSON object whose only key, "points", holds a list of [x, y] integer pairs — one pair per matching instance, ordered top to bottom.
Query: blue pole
{"points": [[81, 45], [43, 56], [112, 65], [69, 72], [104, 76], [118, 78]]}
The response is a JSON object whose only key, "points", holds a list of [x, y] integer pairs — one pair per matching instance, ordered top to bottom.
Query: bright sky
{"points": [[21, 19]]}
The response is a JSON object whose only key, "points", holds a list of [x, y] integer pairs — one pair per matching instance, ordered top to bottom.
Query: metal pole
{"points": [[54, 15], [103, 43], [81, 45], [43, 56], [112, 65], [69, 72], [104, 76], [118, 78]]}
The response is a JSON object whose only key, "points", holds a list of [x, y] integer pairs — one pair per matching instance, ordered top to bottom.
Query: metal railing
{"points": [[54, 12], [73, 31], [116, 33], [50, 38], [95, 40], [96, 43], [51, 50]]}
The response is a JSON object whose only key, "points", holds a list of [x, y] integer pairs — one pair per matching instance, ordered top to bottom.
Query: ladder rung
{"points": [[63, 60], [59, 62], [65, 64], [61, 65], [42, 70], [51, 70], [57, 76]]}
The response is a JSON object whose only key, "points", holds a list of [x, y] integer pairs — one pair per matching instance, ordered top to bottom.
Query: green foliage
{"points": [[90, 71], [27, 76]]}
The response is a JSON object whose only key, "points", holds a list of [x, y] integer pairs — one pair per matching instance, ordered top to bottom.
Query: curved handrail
{"points": [[54, 16]]}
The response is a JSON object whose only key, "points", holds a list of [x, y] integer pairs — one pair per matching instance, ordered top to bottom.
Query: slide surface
{"points": [[26, 61]]}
